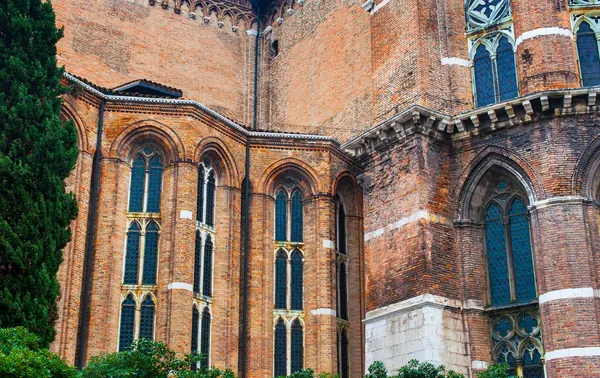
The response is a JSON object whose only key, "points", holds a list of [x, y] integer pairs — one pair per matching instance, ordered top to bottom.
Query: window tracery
{"points": [[583, 3], [482, 14], [289, 217], [137, 318], [288, 351]]}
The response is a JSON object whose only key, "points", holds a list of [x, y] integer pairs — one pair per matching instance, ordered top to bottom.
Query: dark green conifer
{"points": [[37, 152]]}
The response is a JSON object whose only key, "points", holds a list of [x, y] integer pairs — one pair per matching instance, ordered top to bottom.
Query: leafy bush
{"points": [[21, 356], [149, 359], [414, 369], [496, 371], [310, 373]]}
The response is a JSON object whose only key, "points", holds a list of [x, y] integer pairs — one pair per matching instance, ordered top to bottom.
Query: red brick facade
{"points": [[392, 80]]}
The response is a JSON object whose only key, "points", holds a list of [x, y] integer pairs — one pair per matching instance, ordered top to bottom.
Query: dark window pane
{"points": [[589, 61], [507, 70], [484, 78], [154, 185], [136, 190], [200, 196], [210, 199], [281, 217], [297, 217], [342, 230], [521, 250], [150, 254], [132, 255], [496, 256], [197, 262], [207, 274], [280, 280], [296, 283], [343, 292], [147, 319], [195, 319], [127, 323], [205, 340], [297, 346], [280, 350], [343, 353], [505, 356], [532, 365]]}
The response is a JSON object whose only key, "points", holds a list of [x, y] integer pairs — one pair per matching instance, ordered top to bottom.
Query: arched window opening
{"points": [[274, 48], [589, 58], [507, 70], [484, 77], [146, 181], [154, 185], [207, 186], [136, 190], [200, 199], [210, 199], [281, 216], [297, 217], [341, 227], [150, 254], [522, 254], [497, 259], [197, 262], [208, 267], [130, 277], [280, 280], [297, 280], [343, 290], [147, 319], [195, 320], [126, 328], [205, 342], [297, 346], [280, 349], [506, 356], [532, 362], [343, 364]]}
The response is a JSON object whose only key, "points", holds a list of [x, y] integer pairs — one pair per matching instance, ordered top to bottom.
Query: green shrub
{"points": [[21, 356], [414, 369], [496, 371], [310, 373]]}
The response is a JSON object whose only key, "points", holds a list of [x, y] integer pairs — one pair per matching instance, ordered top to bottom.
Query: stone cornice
{"points": [[418, 119]]}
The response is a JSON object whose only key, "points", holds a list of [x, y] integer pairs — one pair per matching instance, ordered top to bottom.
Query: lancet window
{"points": [[587, 34], [289, 217], [205, 231], [289, 280], [137, 319], [201, 332], [288, 351]]}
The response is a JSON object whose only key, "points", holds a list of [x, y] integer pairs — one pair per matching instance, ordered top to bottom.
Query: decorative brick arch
{"points": [[68, 112], [148, 130], [494, 157], [225, 163], [292, 167], [586, 178], [347, 187]]}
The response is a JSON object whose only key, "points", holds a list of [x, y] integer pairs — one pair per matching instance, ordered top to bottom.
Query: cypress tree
{"points": [[37, 152]]}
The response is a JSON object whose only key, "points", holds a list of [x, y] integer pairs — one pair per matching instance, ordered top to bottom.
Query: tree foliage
{"points": [[37, 153], [414, 369], [496, 371]]}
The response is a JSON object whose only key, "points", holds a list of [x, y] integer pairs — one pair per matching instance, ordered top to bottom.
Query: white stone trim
{"points": [[380, 5], [543, 31], [251, 32], [455, 62], [557, 201], [186, 214], [423, 214], [328, 244], [180, 286], [583, 292], [411, 304], [324, 311], [572, 352], [479, 365]]}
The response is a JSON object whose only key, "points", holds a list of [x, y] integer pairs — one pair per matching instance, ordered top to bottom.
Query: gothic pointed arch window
{"points": [[586, 34], [146, 180], [211, 185], [206, 193], [200, 194], [281, 216], [297, 217], [341, 227], [132, 252], [150, 254], [197, 262], [208, 268], [281, 280], [296, 280], [343, 292], [147, 319], [127, 324], [195, 329], [205, 337], [297, 346], [280, 349], [343, 360]]}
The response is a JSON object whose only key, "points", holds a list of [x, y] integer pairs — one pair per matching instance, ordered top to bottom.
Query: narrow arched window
{"points": [[589, 59], [507, 70], [484, 77], [154, 185], [137, 186], [200, 199], [210, 199], [281, 216], [297, 217], [341, 234], [495, 239], [521, 251], [132, 254], [150, 254], [197, 262], [208, 267], [280, 280], [296, 282], [343, 289], [147, 319], [195, 320], [126, 328], [205, 341], [297, 346], [280, 349], [343, 354], [505, 356], [532, 362]]}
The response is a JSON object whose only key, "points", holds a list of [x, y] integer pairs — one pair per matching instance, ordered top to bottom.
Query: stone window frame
{"points": [[583, 3], [592, 17], [476, 22], [157, 151], [208, 167], [290, 188], [143, 223], [289, 252], [139, 295], [200, 307], [289, 321], [343, 329]]}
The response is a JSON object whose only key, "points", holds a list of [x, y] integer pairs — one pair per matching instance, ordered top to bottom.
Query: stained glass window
{"points": [[589, 60], [507, 70], [484, 77], [154, 185], [136, 190], [200, 196], [210, 199], [281, 216], [297, 217], [341, 237], [521, 251], [132, 254], [150, 254], [496, 256], [197, 262], [207, 274], [280, 280], [296, 284], [343, 292], [147, 319], [195, 319], [126, 330], [205, 342], [297, 346], [280, 350], [343, 353]]}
